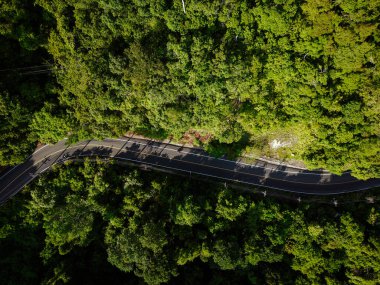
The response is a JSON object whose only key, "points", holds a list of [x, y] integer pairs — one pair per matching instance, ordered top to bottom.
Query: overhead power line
{"points": [[26, 67], [36, 71]]}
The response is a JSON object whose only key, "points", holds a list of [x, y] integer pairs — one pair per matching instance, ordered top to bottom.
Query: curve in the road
{"points": [[177, 159]]}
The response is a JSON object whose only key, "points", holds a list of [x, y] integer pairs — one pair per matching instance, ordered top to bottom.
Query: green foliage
{"points": [[24, 21], [23, 30], [224, 71], [223, 74], [13, 122], [48, 127], [230, 206], [188, 212], [128, 224], [59, 225]]}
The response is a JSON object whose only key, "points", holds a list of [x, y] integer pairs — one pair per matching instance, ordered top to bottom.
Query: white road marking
{"points": [[111, 147], [39, 149], [241, 163], [14, 167], [234, 180]]}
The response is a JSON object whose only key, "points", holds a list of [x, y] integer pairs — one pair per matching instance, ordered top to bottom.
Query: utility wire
{"points": [[26, 68], [30, 70], [36, 71]]}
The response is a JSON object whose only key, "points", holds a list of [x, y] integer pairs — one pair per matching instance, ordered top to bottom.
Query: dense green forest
{"points": [[220, 73], [229, 75], [96, 223]]}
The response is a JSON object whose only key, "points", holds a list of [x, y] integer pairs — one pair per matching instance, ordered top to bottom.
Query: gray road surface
{"points": [[185, 160]]}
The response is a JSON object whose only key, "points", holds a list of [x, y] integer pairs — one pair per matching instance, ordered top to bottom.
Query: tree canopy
{"points": [[221, 72], [92, 222]]}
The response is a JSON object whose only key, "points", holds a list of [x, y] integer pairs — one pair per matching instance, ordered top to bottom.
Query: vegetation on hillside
{"points": [[223, 72], [231, 75], [98, 223]]}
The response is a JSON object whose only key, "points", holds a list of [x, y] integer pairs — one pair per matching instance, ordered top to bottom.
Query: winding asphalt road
{"points": [[178, 159]]}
